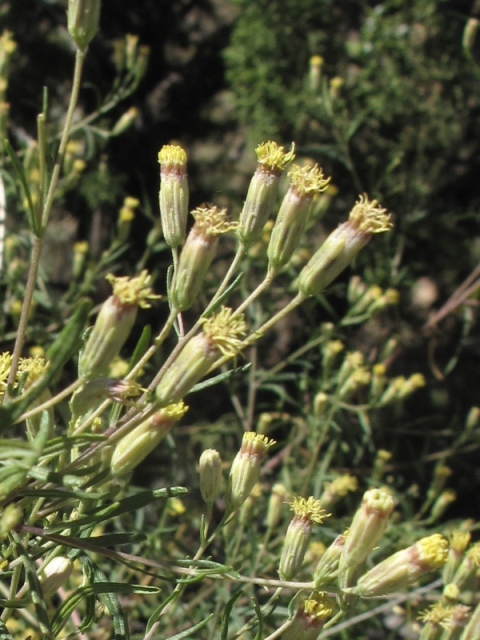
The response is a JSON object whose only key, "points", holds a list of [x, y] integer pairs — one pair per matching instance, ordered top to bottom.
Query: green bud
{"points": [[83, 21], [262, 192], [174, 193], [289, 226], [342, 246], [197, 255], [114, 323], [221, 336], [139, 443], [210, 469], [245, 470], [365, 532], [297, 538], [327, 568], [403, 568], [54, 574]]}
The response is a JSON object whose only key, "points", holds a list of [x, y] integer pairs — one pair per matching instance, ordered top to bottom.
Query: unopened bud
{"points": [[83, 21], [316, 63], [306, 182], [262, 192], [174, 193], [342, 246], [197, 255], [221, 336], [139, 443], [246, 466], [210, 470], [276, 504], [365, 532], [297, 538], [327, 568], [403, 568], [55, 574]]}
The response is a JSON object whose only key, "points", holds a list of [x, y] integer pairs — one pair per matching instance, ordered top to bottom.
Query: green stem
{"points": [[77, 75], [37, 240], [27, 300]]}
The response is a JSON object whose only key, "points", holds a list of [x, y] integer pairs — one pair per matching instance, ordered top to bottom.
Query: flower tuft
{"points": [[172, 157], [273, 157], [308, 180], [369, 217], [212, 221], [133, 291], [226, 331], [309, 509]]}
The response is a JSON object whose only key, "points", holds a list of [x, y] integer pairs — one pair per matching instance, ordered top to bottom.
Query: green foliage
{"points": [[329, 406]]}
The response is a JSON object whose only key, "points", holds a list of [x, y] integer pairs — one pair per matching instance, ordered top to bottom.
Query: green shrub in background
{"points": [[87, 553]]}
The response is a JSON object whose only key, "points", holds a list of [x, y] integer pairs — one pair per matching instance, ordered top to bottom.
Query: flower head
{"points": [[273, 157], [174, 193], [342, 246], [133, 291], [226, 331], [246, 466], [307, 511]]}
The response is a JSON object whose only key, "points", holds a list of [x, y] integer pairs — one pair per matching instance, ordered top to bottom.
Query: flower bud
{"points": [[83, 21], [316, 63], [125, 121], [306, 182], [262, 192], [174, 193], [125, 218], [342, 246], [80, 251], [197, 255], [114, 323], [221, 336], [330, 353], [379, 380], [320, 403], [472, 419], [141, 441], [380, 464], [210, 469], [245, 470], [337, 489], [441, 504], [275, 506], [10, 517], [365, 532], [297, 538], [459, 541], [327, 568], [403, 568], [468, 568], [54, 574], [309, 619], [436, 619], [472, 630]]}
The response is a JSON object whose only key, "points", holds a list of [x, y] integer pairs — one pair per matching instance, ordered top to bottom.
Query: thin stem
{"points": [[77, 75], [37, 240], [23, 323], [51, 402]]}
